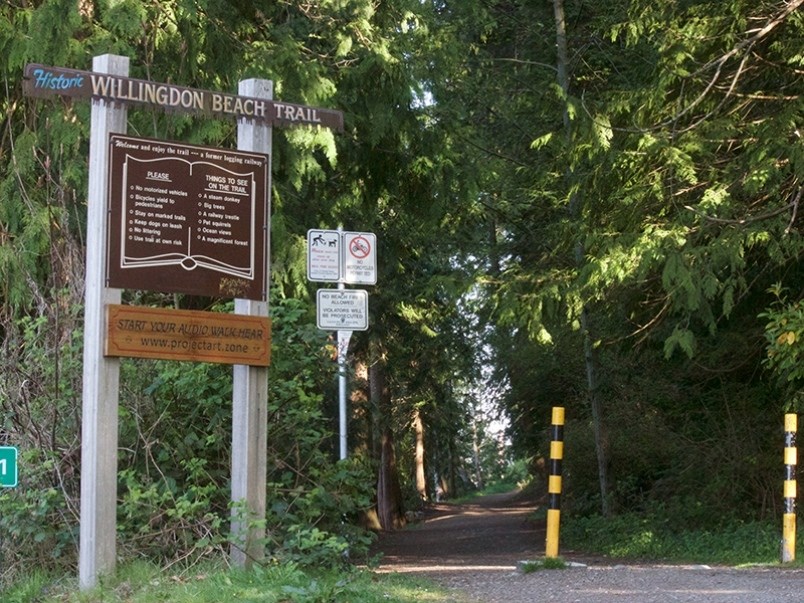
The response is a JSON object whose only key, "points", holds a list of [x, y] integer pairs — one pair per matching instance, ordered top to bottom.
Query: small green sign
{"points": [[8, 467]]}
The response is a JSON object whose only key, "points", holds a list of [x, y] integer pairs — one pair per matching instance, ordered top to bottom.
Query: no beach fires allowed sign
{"points": [[342, 309]]}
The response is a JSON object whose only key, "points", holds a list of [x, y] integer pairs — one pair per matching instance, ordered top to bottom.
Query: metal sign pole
{"points": [[343, 346]]}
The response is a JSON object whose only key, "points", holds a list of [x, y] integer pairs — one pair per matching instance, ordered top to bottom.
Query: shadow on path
{"points": [[491, 533]]}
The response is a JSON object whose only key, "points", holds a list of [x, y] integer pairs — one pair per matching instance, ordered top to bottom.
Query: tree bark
{"points": [[576, 210], [476, 457], [421, 479], [389, 493]]}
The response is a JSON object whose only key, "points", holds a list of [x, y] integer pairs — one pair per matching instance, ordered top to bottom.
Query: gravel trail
{"points": [[473, 549]]}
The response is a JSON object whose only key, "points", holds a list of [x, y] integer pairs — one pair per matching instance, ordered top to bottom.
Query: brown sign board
{"points": [[43, 81], [187, 219], [168, 334]]}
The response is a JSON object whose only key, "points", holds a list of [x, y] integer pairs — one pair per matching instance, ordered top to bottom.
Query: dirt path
{"points": [[495, 531], [473, 549]]}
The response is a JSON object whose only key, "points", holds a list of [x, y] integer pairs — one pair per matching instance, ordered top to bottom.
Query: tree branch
{"points": [[718, 63], [795, 210], [759, 218]]}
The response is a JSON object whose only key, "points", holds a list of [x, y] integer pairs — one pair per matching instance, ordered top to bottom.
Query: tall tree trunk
{"points": [[576, 210], [476, 457], [421, 476], [389, 493]]}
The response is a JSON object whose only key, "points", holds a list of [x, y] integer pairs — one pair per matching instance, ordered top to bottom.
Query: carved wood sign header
{"points": [[42, 81]]}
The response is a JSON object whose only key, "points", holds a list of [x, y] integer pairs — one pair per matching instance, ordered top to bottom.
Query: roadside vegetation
{"points": [[662, 539], [141, 582]]}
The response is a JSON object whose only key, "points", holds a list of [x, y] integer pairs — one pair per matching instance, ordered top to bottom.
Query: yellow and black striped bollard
{"points": [[554, 482], [790, 488]]}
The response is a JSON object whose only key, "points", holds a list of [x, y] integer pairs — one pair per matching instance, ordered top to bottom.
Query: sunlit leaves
{"points": [[125, 18], [603, 131], [784, 333], [681, 338]]}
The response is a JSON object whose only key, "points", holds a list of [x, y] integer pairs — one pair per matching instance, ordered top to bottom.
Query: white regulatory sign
{"points": [[323, 255], [334, 256], [359, 258], [342, 309]]}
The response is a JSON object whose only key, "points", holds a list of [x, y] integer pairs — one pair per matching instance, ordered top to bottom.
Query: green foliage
{"points": [[125, 19], [724, 206], [663, 207], [784, 332], [41, 364], [174, 419], [175, 424], [695, 437], [175, 481], [314, 503], [170, 519], [315, 522], [37, 526], [659, 537], [547, 563], [141, 582], [26, 589]]}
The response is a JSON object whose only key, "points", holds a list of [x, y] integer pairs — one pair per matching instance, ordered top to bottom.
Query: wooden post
{"points": [[250, 394], [97, 546]]}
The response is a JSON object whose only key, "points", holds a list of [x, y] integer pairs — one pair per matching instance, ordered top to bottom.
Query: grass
{"points": [[496, 488], [632, 536], [545, 563], [142, 582]]}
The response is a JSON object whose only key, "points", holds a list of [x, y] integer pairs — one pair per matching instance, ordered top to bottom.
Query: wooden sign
{"points": [[44, 81], [187, 219], [168, 334]]}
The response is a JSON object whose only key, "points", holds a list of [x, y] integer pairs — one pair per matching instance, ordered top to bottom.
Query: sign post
{"points": [[115, 87], [187, 219], [324, 255], [335, 256], [342, 257], [359, 258], [192, 335], [343, 348], [250, 387], [98, 529]]}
